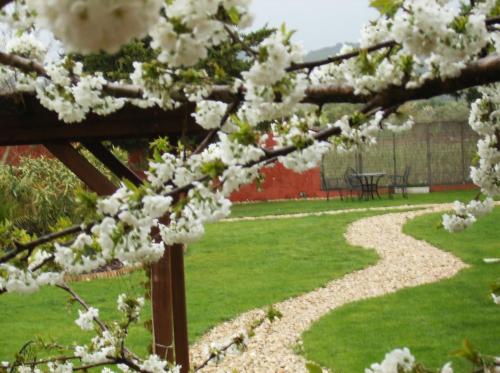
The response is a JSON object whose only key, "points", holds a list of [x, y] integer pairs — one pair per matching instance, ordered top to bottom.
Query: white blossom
{"points": [[89, 26], [86, 319], [396, 361]]}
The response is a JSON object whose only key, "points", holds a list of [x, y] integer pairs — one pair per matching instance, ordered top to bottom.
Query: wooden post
{"points": [[161, 304], [179, 308]]}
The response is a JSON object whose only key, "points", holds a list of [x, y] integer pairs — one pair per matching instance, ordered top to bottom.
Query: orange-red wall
{"points": [[11, 154], [281, 183]]}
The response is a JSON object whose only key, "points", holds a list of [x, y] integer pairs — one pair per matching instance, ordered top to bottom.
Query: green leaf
{"points": [[386, 7], [234, 15], [313, 368]]}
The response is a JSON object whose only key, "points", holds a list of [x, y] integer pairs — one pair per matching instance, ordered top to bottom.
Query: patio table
{"points": [[369, 184]]}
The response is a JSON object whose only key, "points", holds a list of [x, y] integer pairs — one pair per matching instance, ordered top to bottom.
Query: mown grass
{"points": [[298, 206], [236, 267], [431, 320]]}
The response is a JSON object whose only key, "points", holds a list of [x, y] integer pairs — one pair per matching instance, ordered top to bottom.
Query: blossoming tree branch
{"points": [[415, 50]]}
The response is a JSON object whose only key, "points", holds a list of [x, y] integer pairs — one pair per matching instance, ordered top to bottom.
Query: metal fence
{"points": [[438, 153]]}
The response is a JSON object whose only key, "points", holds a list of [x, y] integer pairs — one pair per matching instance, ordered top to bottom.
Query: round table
{"points": [[369, 184]]}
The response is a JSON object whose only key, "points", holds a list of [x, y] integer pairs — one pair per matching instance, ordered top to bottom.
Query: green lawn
{"points": [[298, 206], [238, 266], [431, 320]]}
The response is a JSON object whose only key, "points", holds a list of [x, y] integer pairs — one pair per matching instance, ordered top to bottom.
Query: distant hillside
{"points": [[322, 53], [319, 54]]}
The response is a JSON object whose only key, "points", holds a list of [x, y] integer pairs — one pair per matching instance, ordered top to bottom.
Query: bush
{"points": [[37, 193]]}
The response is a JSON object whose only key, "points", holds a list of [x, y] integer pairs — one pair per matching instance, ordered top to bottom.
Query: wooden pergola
{"points": [[23, 121]]}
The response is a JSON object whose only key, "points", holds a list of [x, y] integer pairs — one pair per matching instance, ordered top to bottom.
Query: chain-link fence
{"points": [[438, 153]]}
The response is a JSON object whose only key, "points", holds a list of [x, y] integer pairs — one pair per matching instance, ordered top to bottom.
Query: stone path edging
{"points": [[404, 262]]}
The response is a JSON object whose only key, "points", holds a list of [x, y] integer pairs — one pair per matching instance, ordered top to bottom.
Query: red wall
{"points": [[11, 154], [281, 183]]}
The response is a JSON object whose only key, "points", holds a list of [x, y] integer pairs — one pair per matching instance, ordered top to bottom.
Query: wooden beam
{"points": [[25, 122], [108, 159], [82, 168], [161, 305]]}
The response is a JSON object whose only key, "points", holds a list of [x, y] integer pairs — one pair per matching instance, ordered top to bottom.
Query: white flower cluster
{"points": [[91, 26], [191, 27], [437, 33], [434, 40], [28, 46], [269, 71], [368, 73], [157, 84], [73, 95], [209, 114], [484, 118], [406, 126], [296, 132], [357, 135], [202, 206], [466, 215], [16, 280], [496, 298], [130, 306], [86, 319], [106, 346], [102, 348], [217, 351], [396, 361], [402, 361], [154, 364], [52, 367], [60, 367]]}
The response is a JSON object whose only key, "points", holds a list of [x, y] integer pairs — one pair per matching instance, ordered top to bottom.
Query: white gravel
{"points": [[333, 212], [404, 262]]}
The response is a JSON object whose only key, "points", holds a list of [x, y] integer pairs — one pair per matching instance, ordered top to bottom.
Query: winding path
{"points": [[404, 262]]}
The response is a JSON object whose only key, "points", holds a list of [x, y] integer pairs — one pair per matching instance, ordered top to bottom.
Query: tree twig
{"points": [[342, 57], [40, 241], [84, 304]]}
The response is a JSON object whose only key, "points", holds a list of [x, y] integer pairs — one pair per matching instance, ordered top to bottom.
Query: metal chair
{"points": [[352, 181], [399, 181], [331, 184]]}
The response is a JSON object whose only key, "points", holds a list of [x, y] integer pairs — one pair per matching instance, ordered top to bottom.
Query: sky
{"points": [[319, 23]]}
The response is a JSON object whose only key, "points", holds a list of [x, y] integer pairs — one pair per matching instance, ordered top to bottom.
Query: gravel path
{"points": [[334, 212], [404, 262]]}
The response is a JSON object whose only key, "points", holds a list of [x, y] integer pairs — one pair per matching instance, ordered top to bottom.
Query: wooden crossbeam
{"points": [[28, 123], [108, 159], [82, 168]]}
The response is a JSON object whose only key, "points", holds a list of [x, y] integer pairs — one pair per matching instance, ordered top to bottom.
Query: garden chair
{"points": [[352, 181], [399, 181], [331, 184]]}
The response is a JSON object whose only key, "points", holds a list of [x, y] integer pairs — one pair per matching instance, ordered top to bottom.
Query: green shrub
{"points": [[37, 192]]}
